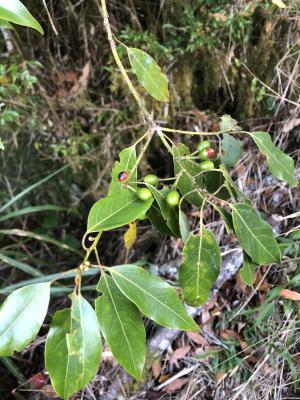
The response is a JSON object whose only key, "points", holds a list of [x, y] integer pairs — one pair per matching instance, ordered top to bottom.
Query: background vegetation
{"points": [[64, 116]]}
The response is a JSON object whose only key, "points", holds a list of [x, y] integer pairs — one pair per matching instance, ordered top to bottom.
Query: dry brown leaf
{"points": [[219, 16], [291, 124], [289, 294], [230, 334], [197, 338], [179, 353], [156, 369], [220, 376], [164, 378], [176, 385], [49, 392]]}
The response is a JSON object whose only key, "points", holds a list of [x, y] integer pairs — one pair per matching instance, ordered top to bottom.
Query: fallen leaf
{"points": [[219, 16], [291, 124], [289, 294], [230, 334], [197, 338], [179, 353], [156, 369], [220, 376], [38, 380], [176, 385], [49, 392]]}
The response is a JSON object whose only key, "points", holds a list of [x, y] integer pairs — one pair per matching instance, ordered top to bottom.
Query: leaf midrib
{"points": [[147, 74], [270, 156], [111, 215], [253, 234], [149, 294], [18, 317], [122, 327]]}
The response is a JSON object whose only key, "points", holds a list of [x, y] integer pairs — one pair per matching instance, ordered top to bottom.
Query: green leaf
{"points": [[14, 11], [7, 25], [149, 74], [229, 124], [231, 150], [127, 163], [280, 164], [189, 175], [215, 183], [231, 186], [31, 209], [116, 210], [169, 214], [227, 218], [157, 219], [184, 225], [255, 235], [20, 265], [200, 267], [247, 272], [154, 297], [21, 317], [122, 327], [73, 347]]}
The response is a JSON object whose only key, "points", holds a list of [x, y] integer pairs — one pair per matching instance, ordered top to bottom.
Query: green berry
{"points": [[203, 145], [206, 154], [206, 165], [151, 179], [144, 194], [173, 198]]}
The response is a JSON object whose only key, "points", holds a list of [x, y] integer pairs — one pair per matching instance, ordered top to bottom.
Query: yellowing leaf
{"points": [[279, 3], [130, 235]]}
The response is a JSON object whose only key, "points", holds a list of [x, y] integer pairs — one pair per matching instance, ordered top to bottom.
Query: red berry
{"points": [[210, 153], [206, 154], [123, 176]]}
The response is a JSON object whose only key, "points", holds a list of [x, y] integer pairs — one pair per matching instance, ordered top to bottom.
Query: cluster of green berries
{"points": [[206, 153], [145, 194], [173, 196]]}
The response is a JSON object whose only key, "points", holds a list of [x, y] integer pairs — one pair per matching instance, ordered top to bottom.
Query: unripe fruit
{"points": [[203, 145], [206, 154], [206, 165], [123, 176], [151, 179], [144, 194], [173, 198]]}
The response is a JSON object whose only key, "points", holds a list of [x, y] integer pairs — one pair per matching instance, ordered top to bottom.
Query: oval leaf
{"points": [[14, 11], [149, 74], [231, 150], [127, 163], [280, 164], [117, 210], [157, 219], [184, 225], [130, 235], [255, 235], [200, 267], [247, 272], [154, 297], [21, 317], [122, 327], [73, 347]]}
